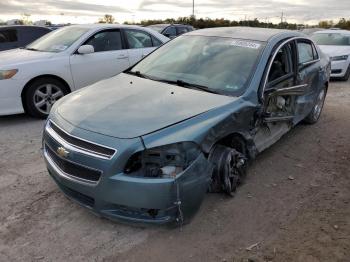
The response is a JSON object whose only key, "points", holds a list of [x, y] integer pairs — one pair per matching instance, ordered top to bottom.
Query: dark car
{"points": [[171, 30], [20, 35], [147, 144]]}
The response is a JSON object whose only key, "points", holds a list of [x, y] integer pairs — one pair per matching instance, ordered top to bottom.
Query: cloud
{"points": [[49, 7], [297, 10], [302, 10]]}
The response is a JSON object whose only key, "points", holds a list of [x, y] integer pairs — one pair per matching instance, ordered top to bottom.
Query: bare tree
{"points": [[107, 19]]}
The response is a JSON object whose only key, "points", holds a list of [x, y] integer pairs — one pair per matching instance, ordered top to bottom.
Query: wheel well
{"points": [[68, 89], [236, 141]]}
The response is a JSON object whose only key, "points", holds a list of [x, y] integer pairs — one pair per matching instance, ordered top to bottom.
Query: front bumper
{"points": [[339, 68], [10, 96], [122, 197]]}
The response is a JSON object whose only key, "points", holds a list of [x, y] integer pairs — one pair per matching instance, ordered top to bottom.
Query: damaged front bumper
{"points": [[122, 197], [140, 200]]}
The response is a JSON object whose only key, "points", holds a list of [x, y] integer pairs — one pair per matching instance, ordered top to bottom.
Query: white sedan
{"points": [[336, 44], [34, 77]]}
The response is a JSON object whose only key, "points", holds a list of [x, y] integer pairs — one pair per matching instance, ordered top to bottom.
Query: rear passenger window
{"points": [[181, 30], [170, 31], [7, 36], [138, 39], [156, 41], [305, 52]]}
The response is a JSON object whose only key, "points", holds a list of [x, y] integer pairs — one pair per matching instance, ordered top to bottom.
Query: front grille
{"points": [[336, 71], [82, 144], [73, 169]]}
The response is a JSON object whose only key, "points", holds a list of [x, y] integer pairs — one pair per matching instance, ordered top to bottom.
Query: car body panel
{"points": [[136, 94], [134, 115]]}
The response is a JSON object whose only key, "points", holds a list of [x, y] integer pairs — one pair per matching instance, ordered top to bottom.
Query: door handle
{"points": [[122, 57]]}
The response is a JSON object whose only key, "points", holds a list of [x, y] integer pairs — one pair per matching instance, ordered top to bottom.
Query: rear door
{"points": [[139, 44], [110, 58], [308, 75]]}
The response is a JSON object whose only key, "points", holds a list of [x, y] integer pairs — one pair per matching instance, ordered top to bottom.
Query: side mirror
{"points": [[167, 35], [86, 49]]}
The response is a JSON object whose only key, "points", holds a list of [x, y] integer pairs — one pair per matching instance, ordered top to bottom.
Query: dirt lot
{"points": [[294, 206]]}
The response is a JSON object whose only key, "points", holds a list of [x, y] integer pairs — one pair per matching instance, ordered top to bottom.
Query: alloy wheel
{"points": [[45, 96]]}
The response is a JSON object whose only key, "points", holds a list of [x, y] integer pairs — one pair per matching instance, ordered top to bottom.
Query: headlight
{"points": [[339, 58], [7, 74], [164, 161]]}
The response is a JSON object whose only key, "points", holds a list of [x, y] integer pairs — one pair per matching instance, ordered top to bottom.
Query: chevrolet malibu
{"points": [[33, 78], [146, 145]]}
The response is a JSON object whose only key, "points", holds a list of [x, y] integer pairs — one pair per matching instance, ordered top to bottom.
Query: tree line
{"points": [[200, 23]]}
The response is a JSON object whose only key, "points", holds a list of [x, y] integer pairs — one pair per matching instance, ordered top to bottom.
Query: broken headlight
{"points": [[164, 161]]}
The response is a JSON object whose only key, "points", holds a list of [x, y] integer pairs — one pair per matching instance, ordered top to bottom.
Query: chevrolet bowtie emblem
{"points": [[62, 152]]}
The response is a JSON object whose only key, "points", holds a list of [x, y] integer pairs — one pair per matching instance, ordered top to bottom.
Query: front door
{"points": [[109, 59], [280, 93]]}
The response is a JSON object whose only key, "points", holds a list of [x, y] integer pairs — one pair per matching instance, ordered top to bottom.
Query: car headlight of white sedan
{"points": [[340, 58], [7, 74]]}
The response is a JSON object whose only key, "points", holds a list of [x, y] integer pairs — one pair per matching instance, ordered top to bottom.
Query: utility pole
{"points": [[193, 8], [282, 18]]}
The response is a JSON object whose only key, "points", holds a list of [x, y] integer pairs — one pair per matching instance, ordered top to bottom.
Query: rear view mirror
{"points": [[86, 49]]}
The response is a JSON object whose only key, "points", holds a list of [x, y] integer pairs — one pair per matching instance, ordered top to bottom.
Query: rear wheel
{"points": [[42, 94], [315, 114]]}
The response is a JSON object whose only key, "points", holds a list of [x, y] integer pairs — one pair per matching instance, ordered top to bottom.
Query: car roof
{"points": [[168, 25], [24, 26], [98, 26], [333, 31], [241, 32]]}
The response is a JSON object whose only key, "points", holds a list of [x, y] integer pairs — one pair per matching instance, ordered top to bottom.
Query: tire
{"points": [[347, 75], [41, 94], [315, 114], [229, 169]]}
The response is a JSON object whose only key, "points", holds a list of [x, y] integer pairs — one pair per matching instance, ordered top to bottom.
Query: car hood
{"points": [[332, 50], [13, 57], [127, 106]]}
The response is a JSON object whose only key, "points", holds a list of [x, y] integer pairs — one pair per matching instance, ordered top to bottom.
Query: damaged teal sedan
{"points": [[146, 145]]}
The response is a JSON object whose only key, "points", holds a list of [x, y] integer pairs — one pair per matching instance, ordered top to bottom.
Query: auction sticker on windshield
{"points": [[247, 44]]}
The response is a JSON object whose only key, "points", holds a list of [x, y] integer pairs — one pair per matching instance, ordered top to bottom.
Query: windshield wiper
{"points": [[29, 48], [138, 73], [177, 82], [189, 85]]}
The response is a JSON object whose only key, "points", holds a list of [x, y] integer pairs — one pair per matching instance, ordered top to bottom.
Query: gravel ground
{"points": [[294, 205]]}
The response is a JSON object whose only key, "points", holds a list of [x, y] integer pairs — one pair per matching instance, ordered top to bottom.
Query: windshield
{"points": [[158, 28], [331, 39], [58, 40], [222, 65]]}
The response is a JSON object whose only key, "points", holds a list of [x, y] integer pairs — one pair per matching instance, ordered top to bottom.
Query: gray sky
{"points": [[88, 11]]}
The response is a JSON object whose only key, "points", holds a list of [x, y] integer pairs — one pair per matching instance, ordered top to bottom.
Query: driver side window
{"points": [[108, 40], [282, 69]]}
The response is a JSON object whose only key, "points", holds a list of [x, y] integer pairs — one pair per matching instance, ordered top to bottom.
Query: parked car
{"points": [[171, 30], [20, 35], [336, 44], [34, 77], [146, 145]]}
